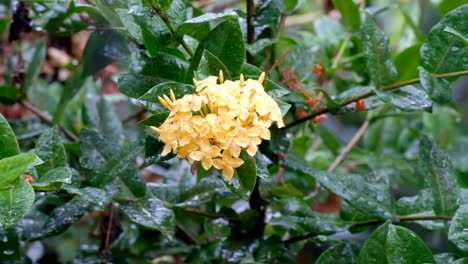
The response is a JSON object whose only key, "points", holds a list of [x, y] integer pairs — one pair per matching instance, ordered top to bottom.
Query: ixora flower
{"points": [[214, 125]]}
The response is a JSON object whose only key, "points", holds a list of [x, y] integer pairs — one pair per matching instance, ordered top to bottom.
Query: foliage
{"points": [[370, 167]]}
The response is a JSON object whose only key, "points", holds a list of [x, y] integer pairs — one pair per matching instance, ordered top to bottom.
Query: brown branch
{"points": [[324, 109], [44, 117], [350, 146], [399, 219]]}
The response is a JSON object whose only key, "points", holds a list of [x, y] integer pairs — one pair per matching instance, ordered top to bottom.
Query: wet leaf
{"points": [[443, 51], [377, 52], [438, 89], [7, 140], [50, 149], [12, 167], [439, 176], [15, 201], [151, 213], [458, 232], [394, 244], [339, 254]]}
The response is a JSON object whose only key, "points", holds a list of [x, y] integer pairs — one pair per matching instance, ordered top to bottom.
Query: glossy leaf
{"points": [[204, 19], [226, 42], [103, 48], [443, 51], [377, 52], [407, 62], [210, 65], [166, 66], [135, 85], [438, 89], [409, 98], [150, 99], [7, 140], [50, 149], [12, 167], [247, 173], [439, 176], [54, 178], [370, 198], [14, 202], [151, 213], [62, 217], [458, 232], [394, 244], [339, 254]]}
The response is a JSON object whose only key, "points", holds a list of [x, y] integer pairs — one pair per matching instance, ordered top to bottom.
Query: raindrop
{"points": [[8, 252]]}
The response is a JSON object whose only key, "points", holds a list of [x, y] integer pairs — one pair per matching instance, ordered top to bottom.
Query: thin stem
{"points": [[171, 27], [250, 28], [341, 51], [324, 109], [44, 117], [350, 146], [410, 218]]}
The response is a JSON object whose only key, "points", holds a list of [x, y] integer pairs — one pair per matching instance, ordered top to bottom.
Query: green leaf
{"points": [[349, 13], [194, 23], [329, 31], [457, 34], [226, 42], [103, 48], [442, 51], [377, 52], [33, 57], [407, 62], [210, 65], [166, 66], [135, 85], [71, 88], [438, 89], [409, 98], [150, 99], [99, 113], [155, 120], [328, 138], [7, 140], [50, 149], [12, 167], [247, 173], [440, 178], [53, 179], [371, 198], [89, 200], [14, 202], [420, 204], [151, 213], [458, 232], [394, 244], [339, 254]]}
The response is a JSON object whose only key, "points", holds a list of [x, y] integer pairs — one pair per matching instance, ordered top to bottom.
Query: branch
{"points": [[171, 27], [324, 109], [44, 117], [350, 146], [409, 218]]}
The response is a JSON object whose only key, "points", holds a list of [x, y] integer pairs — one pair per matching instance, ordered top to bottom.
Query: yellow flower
{"points": [[214, 125]]}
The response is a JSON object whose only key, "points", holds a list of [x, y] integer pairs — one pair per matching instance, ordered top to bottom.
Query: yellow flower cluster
{"points": [[214, 125]]}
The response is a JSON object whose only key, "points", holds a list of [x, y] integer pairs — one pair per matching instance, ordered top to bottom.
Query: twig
{"points": [[171, 27], [250, 28], [88, 29], [343, 47], [325, 109], [44, 117], [350, 146], [410, 218], [187, 234]]}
